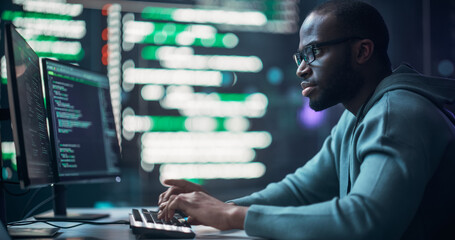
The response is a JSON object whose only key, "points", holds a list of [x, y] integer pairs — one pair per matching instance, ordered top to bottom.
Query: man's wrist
{"points": [[236, 216]]}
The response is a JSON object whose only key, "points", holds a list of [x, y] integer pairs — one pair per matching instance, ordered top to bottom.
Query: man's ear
{"points": [[363, 50]]}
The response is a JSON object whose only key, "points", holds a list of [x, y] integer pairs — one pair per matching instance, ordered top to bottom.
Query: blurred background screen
{"points": [[204, 90]]}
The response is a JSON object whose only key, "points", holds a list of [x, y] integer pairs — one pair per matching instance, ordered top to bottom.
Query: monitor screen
{"points": [[28, 113], [82, 127]]}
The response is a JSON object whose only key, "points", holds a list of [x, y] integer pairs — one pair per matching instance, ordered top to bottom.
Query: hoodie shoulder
{"points": [[440, 91]]}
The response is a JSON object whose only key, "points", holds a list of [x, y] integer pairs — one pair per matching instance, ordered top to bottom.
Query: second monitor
{"points": [[83, 132], [83, 135]]}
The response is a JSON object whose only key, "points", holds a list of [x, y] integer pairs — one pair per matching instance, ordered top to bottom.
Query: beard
{"points": [[343, 86]]}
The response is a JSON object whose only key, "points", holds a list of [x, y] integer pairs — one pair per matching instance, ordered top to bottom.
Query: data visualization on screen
{"points": [[82, 124]]}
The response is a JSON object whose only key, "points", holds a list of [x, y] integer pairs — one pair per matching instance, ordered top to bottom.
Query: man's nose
{"points": [[304, 70]]}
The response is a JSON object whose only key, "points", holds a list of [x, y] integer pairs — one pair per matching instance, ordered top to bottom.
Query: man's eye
{"points": [[316, 51]]}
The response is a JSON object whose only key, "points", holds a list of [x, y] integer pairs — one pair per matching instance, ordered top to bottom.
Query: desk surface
{"points": [[123, 232]]}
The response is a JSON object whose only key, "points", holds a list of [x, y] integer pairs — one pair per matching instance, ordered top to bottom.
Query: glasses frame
{"points": [[308, 53]]}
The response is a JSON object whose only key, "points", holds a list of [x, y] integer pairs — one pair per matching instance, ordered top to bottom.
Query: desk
{"points": [[123, 232]]}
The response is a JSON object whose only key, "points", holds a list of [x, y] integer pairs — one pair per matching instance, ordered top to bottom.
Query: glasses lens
{"points": [[308, 52], [297, 58]]}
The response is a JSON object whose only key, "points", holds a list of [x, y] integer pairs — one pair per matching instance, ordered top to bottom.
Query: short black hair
{"points": [[359, 19]]}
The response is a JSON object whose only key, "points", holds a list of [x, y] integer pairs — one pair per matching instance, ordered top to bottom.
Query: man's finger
{"points": [[176, 182], [170, 192], [163, 197], [174, 204], [162, 205], [162, 214]]}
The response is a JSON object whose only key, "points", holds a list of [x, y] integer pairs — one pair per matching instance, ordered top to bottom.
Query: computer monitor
{"points": [[28, 113], [82, 126], [83, 136], [79, 145]]}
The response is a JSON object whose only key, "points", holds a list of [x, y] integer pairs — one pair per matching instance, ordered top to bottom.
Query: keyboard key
{"points": [[137, 215], [147, 216], [155, 217]]}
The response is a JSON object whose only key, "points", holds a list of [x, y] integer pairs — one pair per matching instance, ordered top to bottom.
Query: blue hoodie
{"points": [[374, 177]]}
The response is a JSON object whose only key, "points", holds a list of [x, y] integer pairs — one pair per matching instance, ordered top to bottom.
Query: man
{"points": [[385, 171]]}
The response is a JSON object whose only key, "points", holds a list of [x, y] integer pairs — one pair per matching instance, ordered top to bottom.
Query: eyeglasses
{"points": [[308, 54]]}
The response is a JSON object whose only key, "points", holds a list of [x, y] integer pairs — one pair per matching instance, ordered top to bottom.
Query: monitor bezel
{"points": [[16, 118], [72, 179]]}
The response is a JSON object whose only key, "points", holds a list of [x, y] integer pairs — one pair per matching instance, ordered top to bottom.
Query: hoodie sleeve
{"points": [[397, 148], [316, 181]]}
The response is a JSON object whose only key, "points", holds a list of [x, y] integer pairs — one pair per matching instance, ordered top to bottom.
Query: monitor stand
{"points": [[60, 213]]}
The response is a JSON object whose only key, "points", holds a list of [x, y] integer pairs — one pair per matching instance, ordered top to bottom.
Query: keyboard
{"points": [[145, 223]]}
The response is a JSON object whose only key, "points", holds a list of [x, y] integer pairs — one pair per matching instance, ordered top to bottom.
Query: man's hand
{"points": [[177, 186], [204, 209]]}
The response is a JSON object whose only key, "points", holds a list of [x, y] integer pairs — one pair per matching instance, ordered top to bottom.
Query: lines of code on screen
{"points": [[82, 133]]}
